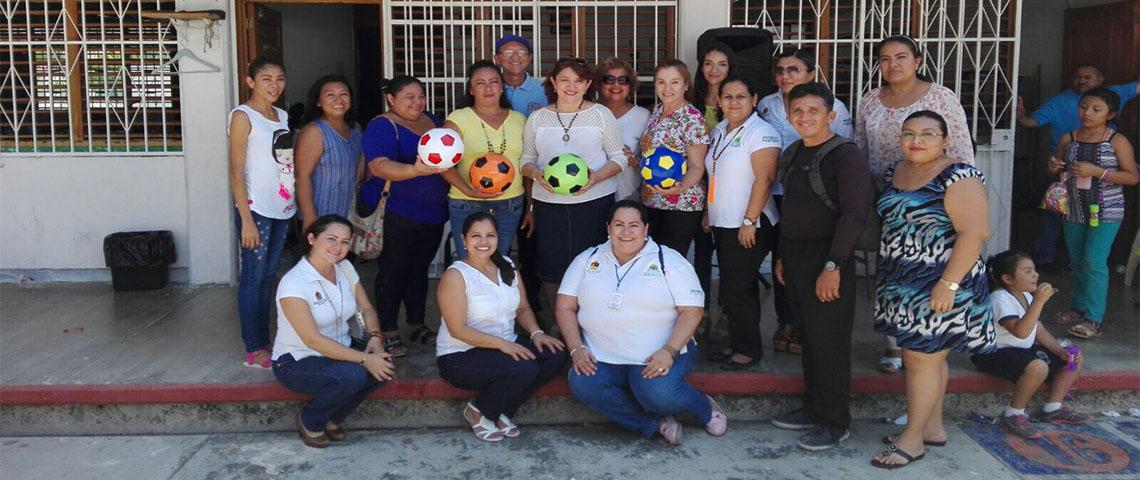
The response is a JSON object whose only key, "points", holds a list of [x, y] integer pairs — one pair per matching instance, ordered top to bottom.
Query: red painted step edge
{"points": [[437, 389]]}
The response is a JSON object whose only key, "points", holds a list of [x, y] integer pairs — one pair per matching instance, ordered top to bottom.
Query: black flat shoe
{"points": [[718, 356], [729, 365]]}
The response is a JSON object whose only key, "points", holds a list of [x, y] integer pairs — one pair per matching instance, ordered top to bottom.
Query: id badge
{"points": [[615, 301]]}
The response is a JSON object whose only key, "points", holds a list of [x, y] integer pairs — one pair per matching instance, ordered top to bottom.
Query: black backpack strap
{"points": [[786, 160], [814, 177]]}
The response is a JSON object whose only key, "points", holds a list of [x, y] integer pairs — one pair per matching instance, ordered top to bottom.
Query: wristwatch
{"points": [[748, 222], [830, 266], [952, 286]]}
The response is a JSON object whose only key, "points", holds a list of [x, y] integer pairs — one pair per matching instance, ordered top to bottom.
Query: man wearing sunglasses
{"points": [[526, 94]]}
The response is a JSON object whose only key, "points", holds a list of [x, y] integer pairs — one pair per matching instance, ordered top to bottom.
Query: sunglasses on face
{"points": [[792, 70], [621, 80]]}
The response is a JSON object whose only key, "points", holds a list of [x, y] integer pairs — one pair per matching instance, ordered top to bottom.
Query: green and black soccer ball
{"points": [[566, 173]]}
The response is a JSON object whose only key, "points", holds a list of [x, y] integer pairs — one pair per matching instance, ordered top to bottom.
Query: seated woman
{"points": [[315, 301], [631, 333], [477, 348]]}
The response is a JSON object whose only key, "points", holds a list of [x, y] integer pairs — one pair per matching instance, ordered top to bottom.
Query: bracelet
{"points": [[1103, 173], [536, 332], [375, 334], [579, 347], [673, 352]]}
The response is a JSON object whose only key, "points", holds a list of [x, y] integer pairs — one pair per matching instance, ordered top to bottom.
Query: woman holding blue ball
{"points": [[742, 164], [676, 210]]}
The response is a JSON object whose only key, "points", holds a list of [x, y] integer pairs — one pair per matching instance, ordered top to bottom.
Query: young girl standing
{"points": [[1097, 162], [261, 176], [1027, 354]]}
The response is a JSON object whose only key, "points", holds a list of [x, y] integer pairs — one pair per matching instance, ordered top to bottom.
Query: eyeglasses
{"points": [[514, 53], [792, 70], [610, 80], [924, 136]]}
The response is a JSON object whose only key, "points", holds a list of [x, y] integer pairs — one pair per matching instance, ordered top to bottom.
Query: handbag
{"points": [[1056, 197], [368, 230]]}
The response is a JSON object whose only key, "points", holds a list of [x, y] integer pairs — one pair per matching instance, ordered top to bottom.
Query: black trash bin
{"points": [[139, 260]]}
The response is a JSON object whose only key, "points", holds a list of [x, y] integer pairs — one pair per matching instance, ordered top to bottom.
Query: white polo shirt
{"points": [[729, 163], [649, 296], [331, 305], [1005, 306], [491, 309]]}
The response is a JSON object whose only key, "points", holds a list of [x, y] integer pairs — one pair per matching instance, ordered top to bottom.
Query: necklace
{"points": [[566, 128], [487, 136], [725, 140]]}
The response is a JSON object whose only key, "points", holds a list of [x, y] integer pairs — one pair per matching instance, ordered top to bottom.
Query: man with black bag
{"points": [[827, 199]]}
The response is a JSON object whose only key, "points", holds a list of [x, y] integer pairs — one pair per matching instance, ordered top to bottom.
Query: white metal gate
{"points": [[435, 40], [971, 46]]}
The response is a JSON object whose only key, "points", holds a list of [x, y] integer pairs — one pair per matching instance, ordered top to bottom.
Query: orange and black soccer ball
{"points": [[492, 173]]}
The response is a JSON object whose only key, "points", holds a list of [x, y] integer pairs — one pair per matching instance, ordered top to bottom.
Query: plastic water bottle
{"points": [[1094, 215], [1073, 350]]}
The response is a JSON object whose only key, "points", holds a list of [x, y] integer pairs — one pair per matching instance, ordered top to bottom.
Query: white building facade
{"points": [[114, 116]]}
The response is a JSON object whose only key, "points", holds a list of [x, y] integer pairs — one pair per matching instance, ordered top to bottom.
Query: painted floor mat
{"points": [[1103, 449]]}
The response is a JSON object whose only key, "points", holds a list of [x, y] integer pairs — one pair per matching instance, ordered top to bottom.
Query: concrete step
{"points": [[35, 410]]}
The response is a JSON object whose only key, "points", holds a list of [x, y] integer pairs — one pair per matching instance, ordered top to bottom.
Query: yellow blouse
{"points": [[710, 116], [477, 135]]}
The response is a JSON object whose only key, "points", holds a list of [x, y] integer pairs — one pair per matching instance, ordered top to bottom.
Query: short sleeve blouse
{"points": [[684, 127], [877, 127], [480, 138], [729, 163], [423, 199], [331, 305]]}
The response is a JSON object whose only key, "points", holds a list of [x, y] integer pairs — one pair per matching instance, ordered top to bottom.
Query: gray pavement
{"points": [[191, 335], [750, 450]]}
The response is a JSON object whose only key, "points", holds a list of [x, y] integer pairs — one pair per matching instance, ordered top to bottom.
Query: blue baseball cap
{"points": [[510, 37]]}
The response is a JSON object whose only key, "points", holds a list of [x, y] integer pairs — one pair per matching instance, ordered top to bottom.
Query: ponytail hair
{"points": [[1004, 263], [506, 269]]}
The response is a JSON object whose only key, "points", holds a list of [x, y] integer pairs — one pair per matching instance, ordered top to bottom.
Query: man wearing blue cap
{"points": [[526, 94]]}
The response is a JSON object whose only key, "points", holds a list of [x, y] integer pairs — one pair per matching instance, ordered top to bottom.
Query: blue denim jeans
{"points": [[507, 214], [1088, 259], [255, 280], [503, 383], [337, 387], [622, 395]]}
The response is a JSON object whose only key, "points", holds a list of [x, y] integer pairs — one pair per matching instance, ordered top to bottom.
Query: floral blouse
{"points": [[686, 126], [877, 128]]}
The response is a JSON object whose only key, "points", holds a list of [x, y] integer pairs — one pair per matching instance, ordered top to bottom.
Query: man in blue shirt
{"points": [[526, 93], [1060, 112]]}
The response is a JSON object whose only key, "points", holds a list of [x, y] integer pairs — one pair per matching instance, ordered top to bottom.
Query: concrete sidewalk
{"points": [[601, 451]]}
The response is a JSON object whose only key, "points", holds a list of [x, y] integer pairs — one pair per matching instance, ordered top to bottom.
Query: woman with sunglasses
{"points": [[793, 68], [619, 82], [881, 115], [676, 124], [568, 224]]}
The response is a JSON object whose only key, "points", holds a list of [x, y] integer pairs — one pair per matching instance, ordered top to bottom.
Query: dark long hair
{"points": [[911, 45], [257, 64], [577, 65], [397, 84], [700, 85], [469, 99], [313, 112], [931, 115], [324, 222], [1004, 263], [506, 271]]}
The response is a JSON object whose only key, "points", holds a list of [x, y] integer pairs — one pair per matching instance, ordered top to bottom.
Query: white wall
{"points": [[694, 17], [318, 41]]}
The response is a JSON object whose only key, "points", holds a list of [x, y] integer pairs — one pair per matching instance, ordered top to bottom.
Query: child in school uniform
{"points": [[1027, 354]]}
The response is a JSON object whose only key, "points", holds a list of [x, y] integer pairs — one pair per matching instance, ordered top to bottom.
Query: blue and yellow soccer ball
{"points": [[662, 167], [566, 173]]}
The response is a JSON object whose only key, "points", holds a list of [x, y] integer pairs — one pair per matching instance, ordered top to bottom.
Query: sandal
{"points": [[1066, 317], [1085, 329], [423, 335], [780, 341], [394, 345], [794, 346], [890, 363], [484, 429], [509, 430], [887, 440], [893, 448]]}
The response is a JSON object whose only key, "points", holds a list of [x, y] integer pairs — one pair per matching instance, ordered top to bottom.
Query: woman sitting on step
{"points": [[477, 347], [311, 354]]}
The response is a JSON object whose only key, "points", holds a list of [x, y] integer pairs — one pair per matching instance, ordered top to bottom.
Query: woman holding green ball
{"points": [[567, 223]]}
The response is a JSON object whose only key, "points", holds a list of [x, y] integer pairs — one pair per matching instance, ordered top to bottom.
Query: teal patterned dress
{"points": [[918, 238]]}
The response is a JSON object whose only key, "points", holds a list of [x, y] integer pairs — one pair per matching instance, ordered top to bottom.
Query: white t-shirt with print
{"points": [[730, 173], [269, 178], [649, 292], [331, 306], [1005, 306]]}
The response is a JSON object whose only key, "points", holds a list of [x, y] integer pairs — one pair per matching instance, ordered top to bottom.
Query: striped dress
{"points": [[334, 178], [1109, 196], [918, 239]]}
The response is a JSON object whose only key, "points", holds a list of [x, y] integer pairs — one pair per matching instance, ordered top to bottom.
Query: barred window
{"points": [[88, 76]]}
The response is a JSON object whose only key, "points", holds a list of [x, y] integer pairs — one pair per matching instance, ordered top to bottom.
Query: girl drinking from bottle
{"points": [[1097, 163], [1027, 354]]}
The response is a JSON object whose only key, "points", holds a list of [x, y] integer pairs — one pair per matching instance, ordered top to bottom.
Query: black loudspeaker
{"points": [[753, 49]]}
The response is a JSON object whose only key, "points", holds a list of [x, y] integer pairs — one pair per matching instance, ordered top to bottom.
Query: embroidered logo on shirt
{"points": [[769, 138], [735, 141], [594, 266], [654, 270], [696, 293], [320, 299]]}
